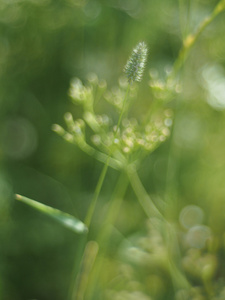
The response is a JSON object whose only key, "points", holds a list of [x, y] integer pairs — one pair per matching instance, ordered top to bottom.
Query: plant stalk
{"points": [[105, 168], [89, 216], [105, 233]]}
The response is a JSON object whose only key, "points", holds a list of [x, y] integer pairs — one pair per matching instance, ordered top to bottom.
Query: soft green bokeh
{"points": [[43, 45]]}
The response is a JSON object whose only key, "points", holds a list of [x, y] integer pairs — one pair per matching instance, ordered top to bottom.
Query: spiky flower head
{"points": [[135, 65]]}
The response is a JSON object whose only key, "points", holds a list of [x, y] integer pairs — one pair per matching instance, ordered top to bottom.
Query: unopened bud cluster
{"points": [[135, 66], [94, 133]]}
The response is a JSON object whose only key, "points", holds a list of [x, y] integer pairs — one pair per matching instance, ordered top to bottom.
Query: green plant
{"points": [[123, 145]]}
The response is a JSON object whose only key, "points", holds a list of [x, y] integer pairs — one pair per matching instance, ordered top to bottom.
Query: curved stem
{"points": [[192, 38], [100, 156], [144, 199], [178, 278]]}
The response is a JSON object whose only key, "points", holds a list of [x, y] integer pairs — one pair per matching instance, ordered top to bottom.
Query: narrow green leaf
{"points": [[63, 218]]}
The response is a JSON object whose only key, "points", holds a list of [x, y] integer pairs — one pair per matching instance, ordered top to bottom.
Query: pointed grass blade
{"points": [[63, 218]]}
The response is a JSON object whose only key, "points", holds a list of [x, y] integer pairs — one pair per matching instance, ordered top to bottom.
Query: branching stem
{"points": [[105, 168], [77, 268]]}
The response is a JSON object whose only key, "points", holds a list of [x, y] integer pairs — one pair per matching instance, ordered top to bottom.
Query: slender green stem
{"points": [[184, 14], [192, 38], [122, 111], [105, 168], [96, 194], [144, 199], [115, 203], [151, 210], [105, 234], [90, 253], [76, 267], [178, 278]]}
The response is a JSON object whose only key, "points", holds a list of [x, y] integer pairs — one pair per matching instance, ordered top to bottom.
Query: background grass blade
{"points": [[63, 218]]}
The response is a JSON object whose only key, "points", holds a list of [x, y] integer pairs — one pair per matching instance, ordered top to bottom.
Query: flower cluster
{"points": [[95, 133], [98, 134], [133, 136]]}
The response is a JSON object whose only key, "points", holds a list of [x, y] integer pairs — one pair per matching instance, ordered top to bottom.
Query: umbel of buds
{"points": [[136, 63]]}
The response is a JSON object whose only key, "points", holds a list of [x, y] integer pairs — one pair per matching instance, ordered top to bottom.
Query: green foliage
{"points": [[64, 219]]}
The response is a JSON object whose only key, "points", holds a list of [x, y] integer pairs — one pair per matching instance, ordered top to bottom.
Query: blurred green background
{"points": [[43, 44]]}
